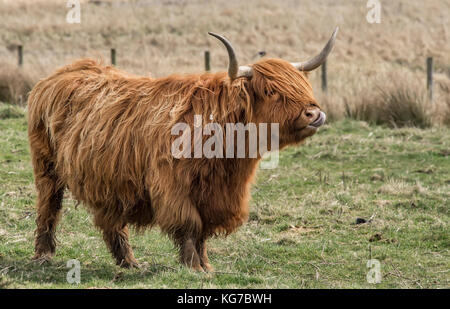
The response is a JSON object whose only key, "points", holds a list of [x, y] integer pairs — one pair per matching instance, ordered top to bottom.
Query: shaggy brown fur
{"points": [[106, 136]]}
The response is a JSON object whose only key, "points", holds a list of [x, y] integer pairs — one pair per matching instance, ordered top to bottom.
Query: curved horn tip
{"points": [[335, 30], [220, 37], [332, 39], [319, 59]]}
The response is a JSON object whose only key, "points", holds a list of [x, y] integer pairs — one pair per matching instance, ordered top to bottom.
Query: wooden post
{"points": [[20, 55], [113, 56], [207, 61], [324, 77], [430, 78]]}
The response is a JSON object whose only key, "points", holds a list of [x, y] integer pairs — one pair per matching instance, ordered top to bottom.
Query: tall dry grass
{"points": [[159, 37], [15, 83], [396, 99], [397, 102], [442, 109]]}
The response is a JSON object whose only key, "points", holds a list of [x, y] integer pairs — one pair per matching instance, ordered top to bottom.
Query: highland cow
{"points": [[105, 135]]}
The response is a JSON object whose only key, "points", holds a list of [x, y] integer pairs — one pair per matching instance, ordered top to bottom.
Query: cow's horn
{"points": [[318, 60], [234, 70]]}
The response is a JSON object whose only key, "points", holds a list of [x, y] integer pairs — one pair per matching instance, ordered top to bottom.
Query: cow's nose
{"points": [[312, 114]]}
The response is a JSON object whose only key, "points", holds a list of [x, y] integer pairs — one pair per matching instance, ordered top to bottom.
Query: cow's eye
{"points": [[268, 92]]}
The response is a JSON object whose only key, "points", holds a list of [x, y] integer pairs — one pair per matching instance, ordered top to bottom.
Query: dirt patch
{"points": [[295, 230], [378, 237]]}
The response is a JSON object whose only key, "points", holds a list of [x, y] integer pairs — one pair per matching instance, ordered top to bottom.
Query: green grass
{"points": [[301, 231]]}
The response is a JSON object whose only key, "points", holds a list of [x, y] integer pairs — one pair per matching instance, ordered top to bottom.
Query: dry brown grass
{"points": [[162, 36], [15, 84], [395, 102], [442, 109]]}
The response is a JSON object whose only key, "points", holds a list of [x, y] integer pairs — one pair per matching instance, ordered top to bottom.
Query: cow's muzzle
{"points": [[320, 120]]}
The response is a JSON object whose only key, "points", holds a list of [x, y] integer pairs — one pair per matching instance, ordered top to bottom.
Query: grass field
{"points": [[301, 232]]}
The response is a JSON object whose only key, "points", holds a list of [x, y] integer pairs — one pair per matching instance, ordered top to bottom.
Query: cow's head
{"points": [[281, 93]]}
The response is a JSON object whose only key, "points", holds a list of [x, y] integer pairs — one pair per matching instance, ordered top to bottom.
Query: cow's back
{"points": [[88, 116]]}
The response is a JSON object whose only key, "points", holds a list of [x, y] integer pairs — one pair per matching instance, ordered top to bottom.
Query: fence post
{"points": [[20, 55], [113, 56], [207, 61], [324, 77], [430, 78]]}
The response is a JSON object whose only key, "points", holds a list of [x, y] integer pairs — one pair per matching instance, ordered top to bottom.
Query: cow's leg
{"points": [[49, 195], [48, 213], [177, 216], [186, 238], [116, 239], [188, 253], [204, 261]]}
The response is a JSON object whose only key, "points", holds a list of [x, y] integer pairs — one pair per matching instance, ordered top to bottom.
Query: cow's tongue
{"points": [[320, 120]]}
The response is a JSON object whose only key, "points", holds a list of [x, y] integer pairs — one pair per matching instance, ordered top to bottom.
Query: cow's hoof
{"points": [[42, 259], [129, 264], [207, 267], [197, 268]]}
